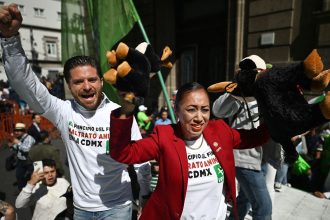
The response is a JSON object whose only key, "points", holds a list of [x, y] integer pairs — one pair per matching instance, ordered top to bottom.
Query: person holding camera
{"points": [[21, 143], [45, 192]]}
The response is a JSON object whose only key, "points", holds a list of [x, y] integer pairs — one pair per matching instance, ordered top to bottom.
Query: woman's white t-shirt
{"points": [[205, 198]]}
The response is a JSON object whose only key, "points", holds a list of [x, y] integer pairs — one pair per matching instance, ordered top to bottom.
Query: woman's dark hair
{"points": [[79, 61], [188, 87]]}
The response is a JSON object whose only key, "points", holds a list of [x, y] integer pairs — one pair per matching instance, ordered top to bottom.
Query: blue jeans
{"points": [[282, 174], [253, 192], [120, 212]]}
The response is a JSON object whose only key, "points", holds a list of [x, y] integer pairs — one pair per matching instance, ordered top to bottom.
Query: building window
{"points": [[21, 8], [39, 12], [59, 15], [51, 48]]}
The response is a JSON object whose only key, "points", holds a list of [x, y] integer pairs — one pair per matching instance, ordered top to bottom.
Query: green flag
{"points": [[115, 19], [91, 27], [75, 28]]}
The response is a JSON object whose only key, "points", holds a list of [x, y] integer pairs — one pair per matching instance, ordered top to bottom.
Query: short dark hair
{"points": [[79, 61], [188, 87], [162, 111], [34, 115], [43, 135], [49, 163]]}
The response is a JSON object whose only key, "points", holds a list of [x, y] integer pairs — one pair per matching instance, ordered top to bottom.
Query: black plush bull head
{"points": [[131, 67], [279, 94]]}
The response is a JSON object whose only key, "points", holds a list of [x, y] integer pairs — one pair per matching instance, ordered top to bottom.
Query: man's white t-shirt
{"points": [[99, 182], [205, 198]]}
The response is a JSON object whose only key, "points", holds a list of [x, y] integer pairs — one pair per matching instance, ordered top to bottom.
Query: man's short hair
{"points": [[76, 61], [34, 115], [49, 163]]}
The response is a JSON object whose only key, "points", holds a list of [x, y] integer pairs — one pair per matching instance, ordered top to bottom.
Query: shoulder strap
{"points": [[24, 137], [18, 148]]}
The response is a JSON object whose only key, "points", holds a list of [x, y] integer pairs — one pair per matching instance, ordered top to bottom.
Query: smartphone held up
{"points": [[38, 165]]}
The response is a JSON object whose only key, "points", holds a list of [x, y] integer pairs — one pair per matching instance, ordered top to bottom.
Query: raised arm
{"points": [[10, 20], [17, 67], [225, 106], [122, 149], [25, 198]]}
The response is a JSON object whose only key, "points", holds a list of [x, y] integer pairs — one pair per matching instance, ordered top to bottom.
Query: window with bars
{"points": [[51, 49]]}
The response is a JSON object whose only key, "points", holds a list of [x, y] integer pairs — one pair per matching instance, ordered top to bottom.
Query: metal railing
{"points": [[10, 118]]}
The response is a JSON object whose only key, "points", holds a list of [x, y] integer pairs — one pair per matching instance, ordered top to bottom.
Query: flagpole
{"points": [[159, 74]]}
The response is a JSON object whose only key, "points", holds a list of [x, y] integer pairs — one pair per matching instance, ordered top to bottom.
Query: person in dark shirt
{"points": [[34, 130]]}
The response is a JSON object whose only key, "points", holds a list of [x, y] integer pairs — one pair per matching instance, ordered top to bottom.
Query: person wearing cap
{"points": [[243, 113], [144, 121], [21, 143], [101, 186]]}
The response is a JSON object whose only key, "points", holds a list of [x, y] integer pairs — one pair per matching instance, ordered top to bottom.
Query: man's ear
{"points": [[68, 85], [226, 86]]}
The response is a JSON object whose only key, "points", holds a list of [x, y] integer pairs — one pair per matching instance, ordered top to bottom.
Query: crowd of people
{"points": [[10, 100], [150, 167]]}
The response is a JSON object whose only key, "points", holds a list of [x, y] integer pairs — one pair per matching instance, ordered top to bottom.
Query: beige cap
{"points": [[19, 126]]}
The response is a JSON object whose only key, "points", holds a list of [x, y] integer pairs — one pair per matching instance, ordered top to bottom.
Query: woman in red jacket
{"points": [[196, 163]]}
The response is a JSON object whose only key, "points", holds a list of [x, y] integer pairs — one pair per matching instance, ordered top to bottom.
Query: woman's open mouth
{"points": [[196, 128]]}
